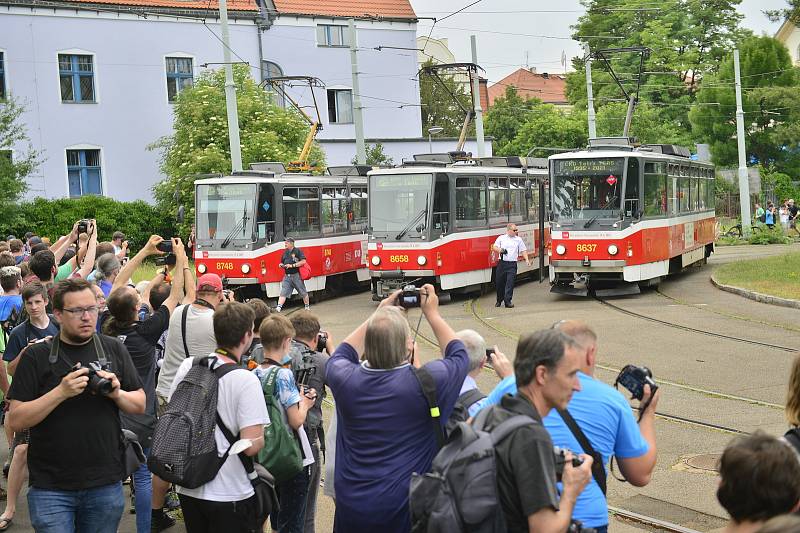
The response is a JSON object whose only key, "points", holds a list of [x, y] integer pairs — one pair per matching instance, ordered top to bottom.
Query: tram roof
{"points": [[596, 154], [457, 169], [254, 177]]}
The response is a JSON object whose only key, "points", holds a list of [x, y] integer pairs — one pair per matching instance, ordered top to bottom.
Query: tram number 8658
{"points": [[585, 247], [398, 259]]}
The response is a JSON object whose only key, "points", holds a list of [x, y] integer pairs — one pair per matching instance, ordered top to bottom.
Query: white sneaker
{"points": [[308, 308], [278, 309]]}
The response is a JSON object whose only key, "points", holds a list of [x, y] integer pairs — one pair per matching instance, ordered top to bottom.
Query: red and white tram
{"points": [[626, 216], [434, 220], [242, 221]]}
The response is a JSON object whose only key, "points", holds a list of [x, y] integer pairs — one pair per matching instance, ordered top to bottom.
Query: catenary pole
{"points": [[476, 90], [230, 91], [590, 93], [358, 119], [744, 183]]}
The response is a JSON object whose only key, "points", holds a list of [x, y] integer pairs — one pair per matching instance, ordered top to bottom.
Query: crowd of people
{"points": [[784, 216], [96, 364]]}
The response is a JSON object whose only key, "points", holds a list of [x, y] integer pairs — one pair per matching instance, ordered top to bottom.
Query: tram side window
{"points": [[701, 193], [672, 194], [683, 194], [655, 195], [711, 198], [695, 199], [498, 200], [470, 201], [441, 203], [533, 203], [334, 210], [301, 211], [516, 211], [359, 220]]}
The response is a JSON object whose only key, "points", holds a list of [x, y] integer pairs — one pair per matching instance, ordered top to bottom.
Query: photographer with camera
{"points": [[508, 247], [141, 337], [310, 350], [546, 369], [69, 392], [390, 415]]}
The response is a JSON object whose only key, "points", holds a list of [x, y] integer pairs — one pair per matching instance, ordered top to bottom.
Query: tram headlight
{"points": [[561, 249], [612, 249], [375, 260], [421, 260], [202, 268], [245, 268]]}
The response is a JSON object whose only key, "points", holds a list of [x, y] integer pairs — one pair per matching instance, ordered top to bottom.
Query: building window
{"points": [[330, 35], [273, 70], [2, 76], [180, 76], [77, 78], [340, 106], [83, 171]]}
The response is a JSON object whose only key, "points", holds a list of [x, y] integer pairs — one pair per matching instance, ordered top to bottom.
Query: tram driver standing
{"points": [[509, 247], [291, 261]]}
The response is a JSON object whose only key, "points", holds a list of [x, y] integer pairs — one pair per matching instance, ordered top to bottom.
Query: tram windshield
{"points": [[587, 188], [399, 204], [226, 211]]}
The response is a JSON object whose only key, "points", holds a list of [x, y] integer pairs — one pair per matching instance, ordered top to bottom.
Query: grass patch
{"points": [[145, 272], [776, 276]]}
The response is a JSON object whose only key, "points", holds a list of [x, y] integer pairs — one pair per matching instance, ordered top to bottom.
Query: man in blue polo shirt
{"points": [[603, 415]]}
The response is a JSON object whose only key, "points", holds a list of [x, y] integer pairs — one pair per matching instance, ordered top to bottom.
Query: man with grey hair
{"points": [[470, 398], [388, 423]]}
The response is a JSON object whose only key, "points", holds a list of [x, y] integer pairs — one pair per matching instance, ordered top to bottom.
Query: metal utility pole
{"points": [[230, 91], [590, 93], [476, 94], [358, 119], [744, 182]]}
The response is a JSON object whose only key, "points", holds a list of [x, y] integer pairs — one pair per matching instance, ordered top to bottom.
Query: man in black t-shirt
{"points": [[793, 216], [291, 260], [546, 367], [76, 454]]}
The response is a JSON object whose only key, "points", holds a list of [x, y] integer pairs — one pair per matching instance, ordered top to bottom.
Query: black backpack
{"points": [[10, 323], [461, 409], [793, 437], [184, 447], [460, 492]]}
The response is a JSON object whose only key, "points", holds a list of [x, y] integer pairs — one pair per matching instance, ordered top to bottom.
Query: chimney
{"points": [[532, 70], [545, 75], [483, 86]]}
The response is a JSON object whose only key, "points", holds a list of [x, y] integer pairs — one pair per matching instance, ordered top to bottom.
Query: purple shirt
{"points": [[384, 434]]}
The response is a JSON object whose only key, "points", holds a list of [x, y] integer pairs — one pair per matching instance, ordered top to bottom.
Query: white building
{"points": [[789, 35], [97, 77]]}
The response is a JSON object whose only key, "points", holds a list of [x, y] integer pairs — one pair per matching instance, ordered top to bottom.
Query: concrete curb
{"points": [[757, 296]]}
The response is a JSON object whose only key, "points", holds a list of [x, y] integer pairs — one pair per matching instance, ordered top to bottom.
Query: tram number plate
{"points": [[585, 247], [398, 259], [224, 266]]}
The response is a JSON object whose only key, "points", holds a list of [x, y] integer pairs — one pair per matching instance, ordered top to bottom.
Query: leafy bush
{"points": [[53, 218], [769, 236]]}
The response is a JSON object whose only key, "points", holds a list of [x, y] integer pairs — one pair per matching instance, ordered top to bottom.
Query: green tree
{"points": [[438, 107], [772, 113], [505, 118], [648, 124], [548, 126], [199, 144], [375, 156], [15, 167]]}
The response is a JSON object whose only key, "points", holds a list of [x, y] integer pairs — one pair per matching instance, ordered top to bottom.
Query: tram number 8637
{"points": [[585, 247], [398, 259]]}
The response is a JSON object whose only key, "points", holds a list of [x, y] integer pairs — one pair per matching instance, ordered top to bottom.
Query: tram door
{"points": [[632, 205], [441, 206], [265, 219]]}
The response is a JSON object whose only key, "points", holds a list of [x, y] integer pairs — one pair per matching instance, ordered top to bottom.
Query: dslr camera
{"points": [[83, 226], [165, 260], [410, 297], [322, 341], [303, 373], [634, 378], [98, 385], [560, 455]]}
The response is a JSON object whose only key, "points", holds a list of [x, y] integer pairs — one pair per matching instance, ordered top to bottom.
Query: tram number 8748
{"points": [[585, 247], [398, 259]]}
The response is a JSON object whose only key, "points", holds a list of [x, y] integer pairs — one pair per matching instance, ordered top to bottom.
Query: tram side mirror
{"points": [[181, 214], [420, 228], [270, 236]]}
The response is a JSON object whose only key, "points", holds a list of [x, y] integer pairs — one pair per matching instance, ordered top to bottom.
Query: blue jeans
{"points": [[143, 485], [292, 495], [95, 510], [601, 529]]}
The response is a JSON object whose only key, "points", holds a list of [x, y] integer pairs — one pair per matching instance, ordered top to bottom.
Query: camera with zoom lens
{"points": [[83, 226], [165, 246], [166, 260], [410, 297], [322, 341], [634, 378], [98, 385], [560, 455], [575, 526]]}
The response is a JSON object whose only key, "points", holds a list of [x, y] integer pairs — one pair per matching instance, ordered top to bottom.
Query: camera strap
{"points": [[183, 330], [55, 352], [428, 385], [598, 469]]}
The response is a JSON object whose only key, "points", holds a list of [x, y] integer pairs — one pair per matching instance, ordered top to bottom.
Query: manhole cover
{"points": [[706, 462]]}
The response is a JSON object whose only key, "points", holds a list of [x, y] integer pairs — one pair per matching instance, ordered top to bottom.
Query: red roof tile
{"points": [[233, 5], [396, 9], [549, 88]]}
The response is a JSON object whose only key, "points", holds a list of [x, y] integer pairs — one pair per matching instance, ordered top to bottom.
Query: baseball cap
{"points": [[34, 240], [209, 282]]}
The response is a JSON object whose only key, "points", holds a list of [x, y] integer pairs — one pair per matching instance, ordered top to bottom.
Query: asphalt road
{"points": [[734, 380]]}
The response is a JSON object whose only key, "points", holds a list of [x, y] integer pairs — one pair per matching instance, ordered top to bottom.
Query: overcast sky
{"points": [[537, 29]]}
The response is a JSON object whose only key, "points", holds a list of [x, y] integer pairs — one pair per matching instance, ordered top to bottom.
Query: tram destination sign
{"points": [[589, 167], [401, 181]]}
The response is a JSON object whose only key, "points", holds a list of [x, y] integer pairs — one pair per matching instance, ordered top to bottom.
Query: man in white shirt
{"points": [[509, 247], [227, 502]]}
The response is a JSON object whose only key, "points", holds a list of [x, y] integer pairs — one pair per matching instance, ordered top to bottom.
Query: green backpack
{"points": [[281, 454]]}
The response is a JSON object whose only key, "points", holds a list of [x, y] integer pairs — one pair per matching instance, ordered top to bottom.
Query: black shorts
{"points": [[21, 437]]}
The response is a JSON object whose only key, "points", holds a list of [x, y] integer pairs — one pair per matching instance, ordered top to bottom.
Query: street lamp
{"points": [[434, 130]]}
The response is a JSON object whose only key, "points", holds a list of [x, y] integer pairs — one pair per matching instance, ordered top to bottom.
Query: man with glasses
{"points": [[508, 247], [75, 456]]}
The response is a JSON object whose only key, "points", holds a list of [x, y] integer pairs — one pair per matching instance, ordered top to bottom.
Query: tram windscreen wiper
{"points": [[610, 205], [422, 215], [239, 226]]}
